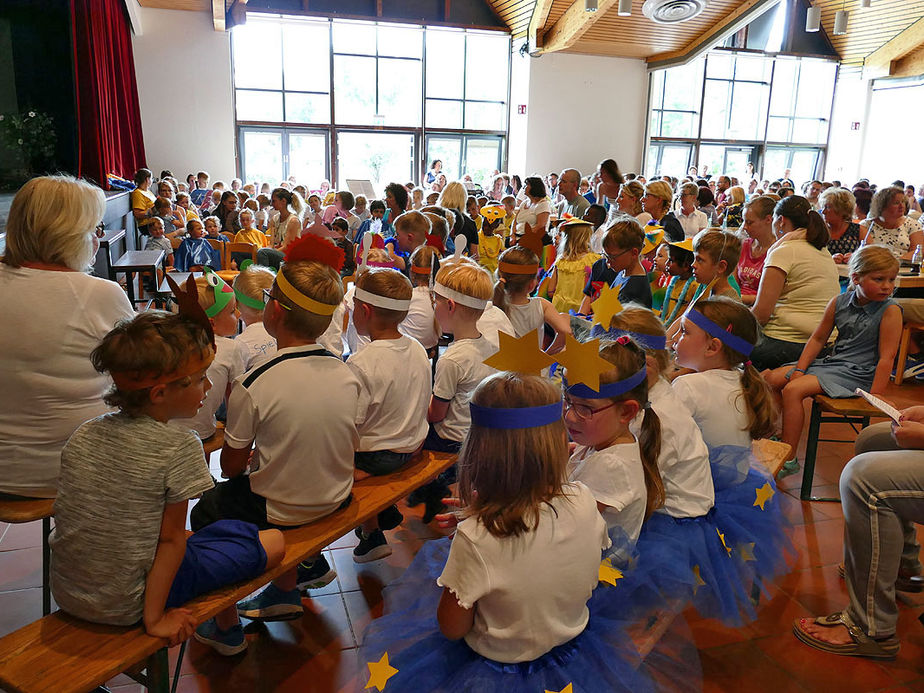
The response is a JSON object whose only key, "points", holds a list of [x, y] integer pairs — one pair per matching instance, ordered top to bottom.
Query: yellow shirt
{"points": [[143, 200], [255, 236], [489, 247], [572, 278]]}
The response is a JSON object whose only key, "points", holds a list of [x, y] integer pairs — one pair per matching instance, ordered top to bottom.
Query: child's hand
{"points": [[913, 414], [451, 519], [176, 625]]}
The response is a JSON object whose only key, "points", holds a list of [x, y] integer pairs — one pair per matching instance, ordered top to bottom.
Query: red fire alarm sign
{"points": [[521, 109]]}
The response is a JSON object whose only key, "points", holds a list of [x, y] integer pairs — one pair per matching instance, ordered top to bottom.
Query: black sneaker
{"points": [[416, 498], [433, 507], [390, 518], [371, 547], [314, 574]]}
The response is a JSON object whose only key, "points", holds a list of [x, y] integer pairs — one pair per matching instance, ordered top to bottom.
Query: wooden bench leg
{"points": [[902, 358], [811, 448], [46, 567], [158, 672]]}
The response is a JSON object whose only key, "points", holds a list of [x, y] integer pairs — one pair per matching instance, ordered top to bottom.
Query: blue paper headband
{"points": [[649, 341], [742, 346], [620, 387], [520, 417]]}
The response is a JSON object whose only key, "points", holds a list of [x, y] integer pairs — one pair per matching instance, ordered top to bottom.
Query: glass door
{"points": [[449, 151], [271, 155], [477, 156], [379, 157], [307, 158], [482, 159], [668, 159], [803, 163]]}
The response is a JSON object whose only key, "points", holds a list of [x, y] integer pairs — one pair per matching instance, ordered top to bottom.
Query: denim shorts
{"points": [[379, 462]]}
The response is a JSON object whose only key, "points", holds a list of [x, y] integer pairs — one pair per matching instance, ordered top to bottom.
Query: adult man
{"points": [[786, 178], [723, 184], [812, 192], [573, 203], [691, 219]]}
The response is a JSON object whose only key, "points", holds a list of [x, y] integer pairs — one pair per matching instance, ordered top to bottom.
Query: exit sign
{"points": [[521, 109], [855, 125]]}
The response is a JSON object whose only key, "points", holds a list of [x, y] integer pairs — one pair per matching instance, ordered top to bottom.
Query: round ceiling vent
{"points": [[672, 11]]}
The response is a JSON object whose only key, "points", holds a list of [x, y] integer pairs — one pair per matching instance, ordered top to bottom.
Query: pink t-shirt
{"points": [[749, 269]]}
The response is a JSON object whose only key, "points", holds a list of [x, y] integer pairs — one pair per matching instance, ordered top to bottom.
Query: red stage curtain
{"points": [[108, 115]]}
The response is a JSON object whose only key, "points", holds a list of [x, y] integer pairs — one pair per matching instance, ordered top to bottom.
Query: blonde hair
{"points": [[636, 191], [662, 191], [735, 195], [454, 196], [841, 200], [51, 220], [414, 223], [624, 233], [575, 241], [719, 245], [423, 256], [872, 258], [467, 278], [317, 281], [251, 282], [387, 282], [507, 282], [207, 294], [735, 317], [636, 318], [507, 475]]}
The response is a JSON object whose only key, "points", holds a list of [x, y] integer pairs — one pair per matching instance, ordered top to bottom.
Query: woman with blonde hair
{"points": [[455, 197], [629, 202], [657, 202], [836, 207], [734, 209], [55, 315]]}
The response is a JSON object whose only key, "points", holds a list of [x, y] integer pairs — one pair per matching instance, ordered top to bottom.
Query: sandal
{"points": [[862, 645]]}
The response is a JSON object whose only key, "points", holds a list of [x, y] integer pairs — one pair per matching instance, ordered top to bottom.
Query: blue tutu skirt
{"points": [[602, 658]]}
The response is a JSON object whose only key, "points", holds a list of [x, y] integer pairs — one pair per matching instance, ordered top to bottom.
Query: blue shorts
{"points": [[220, 554]]}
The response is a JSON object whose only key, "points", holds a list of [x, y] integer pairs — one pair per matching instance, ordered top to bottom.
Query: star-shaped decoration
{"points": [[606, 306], [521, 355], [583, 361], [764, 493], [722, 539], [747, 552], [608, 573], [699, 579], [380, 672], [566, 689]]}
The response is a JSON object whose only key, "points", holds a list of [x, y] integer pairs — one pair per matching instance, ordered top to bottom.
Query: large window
{"points": [[389, 97], [728, 109]]}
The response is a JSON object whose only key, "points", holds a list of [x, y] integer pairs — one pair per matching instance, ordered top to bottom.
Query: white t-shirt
{"points": [[528, 215], [643, 218], [692, 223], [811, 282], [528, 317], [492, 321], [420, 323], [49, 324], [332, 339], [355, 341], [257, 343], [230, 362], [458, 372], [395, 374], [716, 401], [301, 412], [684, 459], [616, 478], [531, 590]]}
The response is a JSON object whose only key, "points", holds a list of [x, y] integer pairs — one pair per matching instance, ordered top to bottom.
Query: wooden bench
{"points": [[903, 344], [851, 410], [216, 441], [773, 454], [22, 511], [62, 654]]}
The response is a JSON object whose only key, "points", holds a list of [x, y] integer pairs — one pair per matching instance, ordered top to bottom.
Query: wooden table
{"points": [[110, 236], [137, 261], [179, 277]]}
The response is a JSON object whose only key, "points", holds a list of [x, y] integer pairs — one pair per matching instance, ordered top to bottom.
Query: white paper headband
{"points": [[454, 295], [382, 301]]}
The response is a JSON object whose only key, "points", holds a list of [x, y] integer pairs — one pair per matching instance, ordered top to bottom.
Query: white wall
{"points": [[183, 69], [583, 109], [845, 145], [893, 148]]}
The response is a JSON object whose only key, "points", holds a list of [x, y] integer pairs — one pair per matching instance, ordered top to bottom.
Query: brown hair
{"points": [[762, 205], [800, 213], [414, 223], [438, 225], [624, 233], [719, 245], [423, 256], [317, 281], [251, 282], [387, 282], [507, 282], [734, 317], [636, 318], [506, 475]]}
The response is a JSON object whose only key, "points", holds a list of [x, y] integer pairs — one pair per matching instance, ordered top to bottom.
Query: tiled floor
{"points": [[318, 652]]}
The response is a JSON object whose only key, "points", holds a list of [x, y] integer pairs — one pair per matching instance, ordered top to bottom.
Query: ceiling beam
{"points": [[218, 14], [537, 20], [736, 20], [572, 25], [888, 59], [912, 65]]}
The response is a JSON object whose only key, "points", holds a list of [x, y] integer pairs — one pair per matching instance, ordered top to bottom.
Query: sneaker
{"points": [[789, 468], [416, 498], [433, 507], [390, 518], [371, 547], [313, 575], [272, 604], [226, 642]]}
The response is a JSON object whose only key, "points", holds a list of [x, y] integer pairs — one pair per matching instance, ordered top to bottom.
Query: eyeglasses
{"points": [[616, 256], [267, 297], [582, 411]]}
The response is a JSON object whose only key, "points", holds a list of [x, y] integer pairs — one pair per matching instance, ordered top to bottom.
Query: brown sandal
{"points": [[862, 645]]}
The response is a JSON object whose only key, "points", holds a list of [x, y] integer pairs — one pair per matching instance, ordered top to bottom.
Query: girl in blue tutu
{"points": [[509, 609]]}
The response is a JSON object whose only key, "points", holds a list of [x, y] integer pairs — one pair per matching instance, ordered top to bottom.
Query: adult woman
{"points": [[435, 168], [439, 183], [516, 184], [608, 188], [497, 189], [455, 197], [863, 198], [142, 199], [396, 200], [629, 201], [657, 201], [705, 202], [913, 204], [836, 206], [734, 210], [227, 212], [533, 214], [887, 223], [758, 225], [285, 226], [798, 280], [54, 315]]}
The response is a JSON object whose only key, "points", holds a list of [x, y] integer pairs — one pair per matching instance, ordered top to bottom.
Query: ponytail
{"points": [[297, 204], [800, 213], [816, 231], [509, 282], [499, 298], [761, 404], [649, 444]]}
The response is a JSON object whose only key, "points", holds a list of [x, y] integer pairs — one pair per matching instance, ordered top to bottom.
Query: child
{"points": [[417, 200], [343, 203], [183, 205], [314, 208], [361, 209], [471, 209], [163, 210], [263, 213], [510, 213], [375, 223], [213, 230], [340, 230], [411, 231], [248, 234], [157, 241], [490, 243], [622, 247], [195, 252], [716, 255], [376, 257], [572, 269], [659, 277], [516, 281], [683, 285], [249, 286], [218, 301], [420, 322], [869, 326], [395, 374], [298, 473], [126, 479], [520, 569]]}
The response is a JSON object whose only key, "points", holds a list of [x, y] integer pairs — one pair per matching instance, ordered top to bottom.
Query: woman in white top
{"points": [[607, 190], [630, 202], [533, 214], [889, 225], [285, 226], [53, 315]]}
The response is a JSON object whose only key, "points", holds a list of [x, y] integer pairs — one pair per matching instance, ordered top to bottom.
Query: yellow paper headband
{"points": [[302, 301]]}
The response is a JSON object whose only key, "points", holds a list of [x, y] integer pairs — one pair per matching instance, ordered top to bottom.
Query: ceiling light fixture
{"points": [[625, 8], [813, 19], [840, 22]]}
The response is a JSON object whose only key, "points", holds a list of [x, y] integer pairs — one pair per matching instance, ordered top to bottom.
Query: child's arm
{"points": [[169, 261], [552, 284], [559, 322], [890, 330], [817, 341], [437, 410], [234, 460], [454, 619], [174, 624]]}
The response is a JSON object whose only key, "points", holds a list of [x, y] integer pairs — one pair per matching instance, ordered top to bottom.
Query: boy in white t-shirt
{"points": [[249, 285], [420, 322], [395, 373], [292, 422]]}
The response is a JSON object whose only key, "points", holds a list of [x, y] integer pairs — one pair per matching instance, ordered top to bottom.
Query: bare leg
{"points": [[793, 414]]}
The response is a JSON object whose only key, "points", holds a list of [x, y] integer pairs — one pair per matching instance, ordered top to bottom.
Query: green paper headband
{"points": [[223, 293], [243, 298]]}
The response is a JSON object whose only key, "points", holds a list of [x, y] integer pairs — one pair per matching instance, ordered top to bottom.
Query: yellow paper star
{"points": [[606, 306], [521, 355], [583, 361], [764, 493], [722, 538], [747, 552], [609, 574], [699, 580], [380, 672], [566, 689]]}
